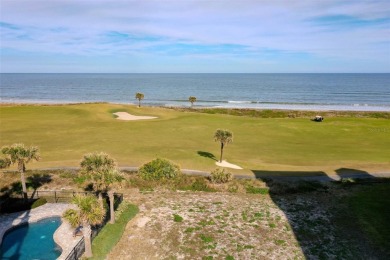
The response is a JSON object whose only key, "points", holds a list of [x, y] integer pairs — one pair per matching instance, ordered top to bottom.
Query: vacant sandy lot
{"points": [[207, 224], [199, 225]]}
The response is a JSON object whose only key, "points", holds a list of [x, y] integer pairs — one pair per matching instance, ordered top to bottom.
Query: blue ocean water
{"points": [[363, 92], [31, 241]]}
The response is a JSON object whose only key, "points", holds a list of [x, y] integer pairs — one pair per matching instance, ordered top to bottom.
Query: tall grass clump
{"points": [[220, 176]]}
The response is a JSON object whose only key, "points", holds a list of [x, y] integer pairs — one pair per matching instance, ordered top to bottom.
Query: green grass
{"points": [[269, 113], [65, 133], [256, 190], [371, 207], [111, 233], [206, 239]]}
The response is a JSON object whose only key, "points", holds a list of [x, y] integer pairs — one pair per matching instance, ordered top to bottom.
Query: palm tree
{"points": [[139, 96], [192, 100], [223, 136], [18, 153], [97, 161], [93, 164], [106, 180], [88, 213]]}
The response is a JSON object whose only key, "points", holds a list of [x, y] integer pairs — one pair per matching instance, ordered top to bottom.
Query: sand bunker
{"points": [[128, 117], [228, 165]]}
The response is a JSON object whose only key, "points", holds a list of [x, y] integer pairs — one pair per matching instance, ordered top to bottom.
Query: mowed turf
{"points": [[272, 145]]}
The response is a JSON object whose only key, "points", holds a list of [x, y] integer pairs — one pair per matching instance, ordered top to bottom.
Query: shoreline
{"points": [[279, 107]]}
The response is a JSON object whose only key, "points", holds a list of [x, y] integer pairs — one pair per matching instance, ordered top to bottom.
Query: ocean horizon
{"points": [[295, 91]]}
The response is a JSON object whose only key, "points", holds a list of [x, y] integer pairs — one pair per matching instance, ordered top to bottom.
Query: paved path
{"points": [[322, 178], [63, 236]]}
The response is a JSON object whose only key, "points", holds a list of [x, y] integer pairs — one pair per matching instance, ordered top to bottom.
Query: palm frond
{"points": [[223, 136], [89, 209], [73, 217]]}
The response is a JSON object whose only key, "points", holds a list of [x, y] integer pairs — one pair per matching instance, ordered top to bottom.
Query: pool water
{"points": [[31, 241]]}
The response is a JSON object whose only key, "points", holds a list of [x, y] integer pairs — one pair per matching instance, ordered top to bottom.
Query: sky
{"points": [[193, 36]]}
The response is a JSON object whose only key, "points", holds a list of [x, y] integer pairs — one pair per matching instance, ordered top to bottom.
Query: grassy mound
{"points": [[112, 233]]}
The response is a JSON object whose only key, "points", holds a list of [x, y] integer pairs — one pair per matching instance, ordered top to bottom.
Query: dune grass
{"points": [[274, 145]]}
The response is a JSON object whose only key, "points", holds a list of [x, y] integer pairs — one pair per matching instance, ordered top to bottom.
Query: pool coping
{"points": [[63, 236]]}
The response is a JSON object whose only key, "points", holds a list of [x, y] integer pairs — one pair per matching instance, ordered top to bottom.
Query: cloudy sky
{"points": [[195, 36]]}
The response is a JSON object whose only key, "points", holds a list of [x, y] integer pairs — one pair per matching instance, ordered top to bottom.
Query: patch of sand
{"points": [[128, 117], [228, 165], [143, 221]]}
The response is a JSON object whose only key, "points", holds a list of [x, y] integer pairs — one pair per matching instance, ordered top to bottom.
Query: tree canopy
{"points": [[139, 96], [192, 99], [224, 137]]}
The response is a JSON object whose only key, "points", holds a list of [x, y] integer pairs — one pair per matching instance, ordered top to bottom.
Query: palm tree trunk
{"points": [[139, 102], [220, 160], [21, 169], [100, 197], [112, 212], [87, 231]]}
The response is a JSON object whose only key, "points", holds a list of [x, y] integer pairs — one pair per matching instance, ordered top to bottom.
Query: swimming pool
{"points": [[31, 241]]}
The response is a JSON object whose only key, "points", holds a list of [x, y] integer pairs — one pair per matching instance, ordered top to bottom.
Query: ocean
{"points": [[311, 91]]}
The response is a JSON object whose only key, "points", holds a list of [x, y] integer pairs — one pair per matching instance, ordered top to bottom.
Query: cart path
{"points": [[322, 178]]}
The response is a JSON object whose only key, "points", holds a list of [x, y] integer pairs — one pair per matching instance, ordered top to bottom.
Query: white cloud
{"points": [[78, 27]]}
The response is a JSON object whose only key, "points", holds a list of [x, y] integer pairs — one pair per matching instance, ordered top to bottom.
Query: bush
{"points": [[159, 169], [220, 176], [233, 188], [38, 202], [177, 218]]}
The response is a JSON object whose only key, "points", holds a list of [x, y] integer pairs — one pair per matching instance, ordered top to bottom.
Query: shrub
{"points": [[159, 169], [220, 176], [233, 188], [38, 202], [177, 218]]}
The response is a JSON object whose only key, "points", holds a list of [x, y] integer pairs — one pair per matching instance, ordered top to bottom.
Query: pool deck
{"points": [[63, 236]]}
